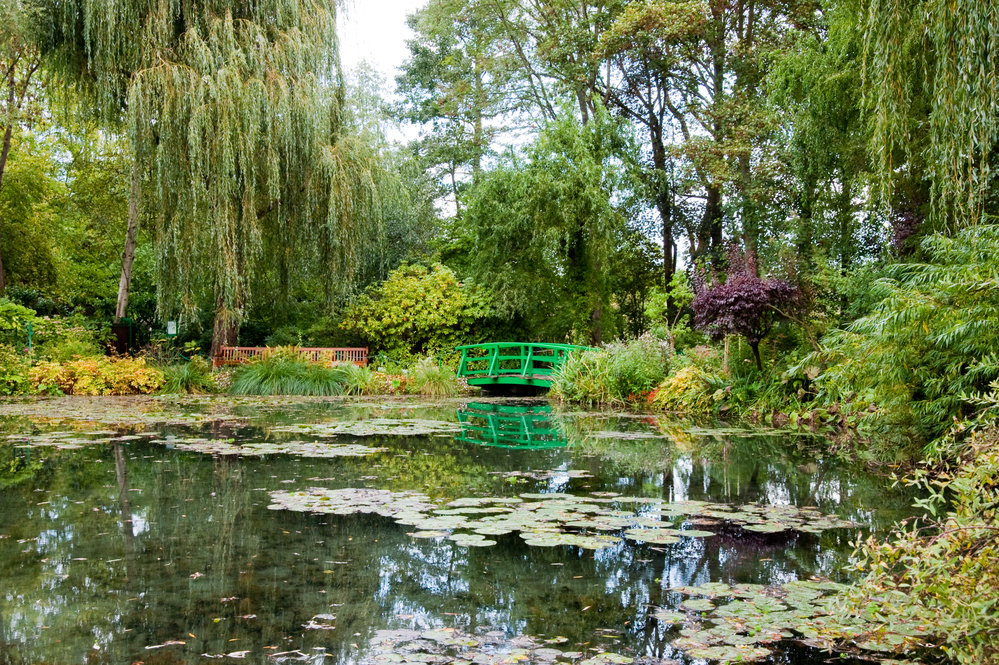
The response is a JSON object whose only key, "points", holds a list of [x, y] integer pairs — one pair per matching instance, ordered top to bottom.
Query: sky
{"points": [[375, 31]]}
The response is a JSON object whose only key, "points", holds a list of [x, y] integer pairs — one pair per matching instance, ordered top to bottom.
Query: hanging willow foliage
{"points": [[939, 57], [235, 111]]}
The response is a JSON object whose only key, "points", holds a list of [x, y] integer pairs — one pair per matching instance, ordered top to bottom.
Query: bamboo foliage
{"points": [[235, 112]]}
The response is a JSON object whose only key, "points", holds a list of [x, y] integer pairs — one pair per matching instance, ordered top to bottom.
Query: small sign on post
{"points": [[171, 329]]}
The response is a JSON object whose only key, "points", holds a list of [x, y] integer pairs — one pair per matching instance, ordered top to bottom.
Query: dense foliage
{"points": [[420, 310], [928, 344], [615, 374], [96, 376], [944, 570]]}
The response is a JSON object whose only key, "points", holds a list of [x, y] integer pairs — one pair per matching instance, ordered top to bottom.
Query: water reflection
{"points": [[530, 427], [127, 544]]}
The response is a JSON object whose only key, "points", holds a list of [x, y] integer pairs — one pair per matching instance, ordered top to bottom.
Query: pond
{"points": [[177, 530]]}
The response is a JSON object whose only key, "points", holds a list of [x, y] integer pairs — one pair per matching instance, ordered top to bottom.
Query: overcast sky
{"points": [[375, 31]]}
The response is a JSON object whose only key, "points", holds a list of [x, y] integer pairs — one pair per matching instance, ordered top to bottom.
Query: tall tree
{"points": [[19, 63], [704, 63], [456, 82], [815, 87], [234, 108], [545, 230]]}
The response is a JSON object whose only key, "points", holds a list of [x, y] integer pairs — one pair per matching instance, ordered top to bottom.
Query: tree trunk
{"points": [[478, 138], [3, 164], [454, 191], [664, 198], [709, 233], [805, 240], [128, 255], [226, 329], [755, 346]]}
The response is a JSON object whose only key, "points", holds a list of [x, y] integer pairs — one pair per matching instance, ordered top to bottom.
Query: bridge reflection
{"points": [[524, 427]]}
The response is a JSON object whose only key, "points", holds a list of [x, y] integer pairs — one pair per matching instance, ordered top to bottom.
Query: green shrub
{"points": [[420, 310], [14, 321], [284, 336], [931, 340], [72, 346], [14, 368], [285, 372], [620, 372], [96, 376], [193, 377], [434, 379]]}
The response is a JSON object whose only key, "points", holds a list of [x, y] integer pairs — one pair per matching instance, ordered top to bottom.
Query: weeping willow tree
{"points": [[931, 82], [235, 112]]}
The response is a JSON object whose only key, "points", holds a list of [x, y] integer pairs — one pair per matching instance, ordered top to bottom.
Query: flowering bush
{"points": [[96, 376]]}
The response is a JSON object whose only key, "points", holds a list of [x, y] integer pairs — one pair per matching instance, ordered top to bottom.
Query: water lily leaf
{"points": [[766, 527], [694, 533], [654, 536], [698, 604], [670, 617], [730, 654]]}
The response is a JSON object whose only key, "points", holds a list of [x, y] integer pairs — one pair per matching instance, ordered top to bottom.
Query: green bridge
{"points": [[512, 363]]}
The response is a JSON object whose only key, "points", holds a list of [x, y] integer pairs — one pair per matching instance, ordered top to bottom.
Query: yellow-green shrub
{"points": [[96, 376], [689, 389]]}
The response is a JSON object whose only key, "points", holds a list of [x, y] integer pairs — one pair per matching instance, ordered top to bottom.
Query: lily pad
{"points": [[654, 536], [698, 605]]}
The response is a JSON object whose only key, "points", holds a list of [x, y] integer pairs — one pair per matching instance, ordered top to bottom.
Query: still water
{"points": [[129, 532]]}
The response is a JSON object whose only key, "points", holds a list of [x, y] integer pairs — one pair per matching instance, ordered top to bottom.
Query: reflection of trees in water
{"points": [[276, 563]]}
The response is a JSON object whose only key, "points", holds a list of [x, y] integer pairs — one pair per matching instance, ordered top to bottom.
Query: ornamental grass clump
{"points": [[285, 372], [193, 377], [583, 377], [434, 379], [358, 380]]}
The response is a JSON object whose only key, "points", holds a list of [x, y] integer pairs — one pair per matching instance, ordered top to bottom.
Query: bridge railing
{"points": [[236, 355], [513, 359]]}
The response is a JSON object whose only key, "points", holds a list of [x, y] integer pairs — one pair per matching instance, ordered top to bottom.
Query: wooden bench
{"points": [[235, 355]]}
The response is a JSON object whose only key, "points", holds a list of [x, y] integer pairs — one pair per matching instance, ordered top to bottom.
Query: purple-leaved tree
{"points": [[744, 304]]}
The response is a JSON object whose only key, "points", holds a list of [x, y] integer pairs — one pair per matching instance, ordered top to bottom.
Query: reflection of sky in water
{"points": [[200, 533]]}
